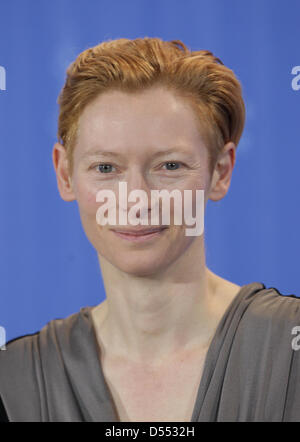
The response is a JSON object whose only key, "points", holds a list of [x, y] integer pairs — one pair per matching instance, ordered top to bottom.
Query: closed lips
{"points": [[139, 232]]}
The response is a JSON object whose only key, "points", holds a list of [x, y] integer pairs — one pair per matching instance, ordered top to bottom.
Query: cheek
{"points": [[86, 200]]}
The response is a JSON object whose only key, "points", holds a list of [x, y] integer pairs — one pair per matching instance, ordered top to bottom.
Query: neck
{"points": [[154, 317]]}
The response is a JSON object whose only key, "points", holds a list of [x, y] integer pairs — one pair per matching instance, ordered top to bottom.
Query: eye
{"points": [[173, 165], [104, 168]]}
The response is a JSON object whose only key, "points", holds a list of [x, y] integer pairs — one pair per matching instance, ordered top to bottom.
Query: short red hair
{"points": [[134, 65]]}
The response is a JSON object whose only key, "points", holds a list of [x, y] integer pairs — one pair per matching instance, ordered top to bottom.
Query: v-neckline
{"points": [[209, 362]]}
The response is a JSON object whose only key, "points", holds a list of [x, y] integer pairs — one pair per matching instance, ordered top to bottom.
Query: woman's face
{"points": [[138, 130]]}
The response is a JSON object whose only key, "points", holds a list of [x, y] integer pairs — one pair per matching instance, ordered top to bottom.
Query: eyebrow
{"points": [[106, 153], [160, 153]]}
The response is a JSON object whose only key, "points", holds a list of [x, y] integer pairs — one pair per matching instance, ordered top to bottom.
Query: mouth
{"points": [[138, 235]]}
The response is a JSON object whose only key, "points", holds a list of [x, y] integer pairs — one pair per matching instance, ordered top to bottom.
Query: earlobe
{"points": [[222, 173], [64, 181], [214, 191]]}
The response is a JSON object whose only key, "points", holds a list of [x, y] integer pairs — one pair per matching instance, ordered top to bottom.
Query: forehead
{"points": [[152, 118]]}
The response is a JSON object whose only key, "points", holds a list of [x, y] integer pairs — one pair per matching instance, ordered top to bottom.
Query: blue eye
{"points": [[172, 164], [104, 168], [107, 168]]}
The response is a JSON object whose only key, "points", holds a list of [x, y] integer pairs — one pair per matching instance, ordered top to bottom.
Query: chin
{"points": [[136, 263], [138, 267]]}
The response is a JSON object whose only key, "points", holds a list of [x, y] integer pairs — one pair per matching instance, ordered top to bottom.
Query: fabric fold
{"points": [[251, 372]]}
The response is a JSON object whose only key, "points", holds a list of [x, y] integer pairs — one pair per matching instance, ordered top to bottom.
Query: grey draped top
{"points": [[251, 370]]}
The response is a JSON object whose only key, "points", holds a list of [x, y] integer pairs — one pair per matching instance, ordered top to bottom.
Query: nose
{"points": [[136, 182]]}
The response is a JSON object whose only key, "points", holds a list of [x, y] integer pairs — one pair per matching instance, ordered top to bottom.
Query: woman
{"points": [[172, 341]]}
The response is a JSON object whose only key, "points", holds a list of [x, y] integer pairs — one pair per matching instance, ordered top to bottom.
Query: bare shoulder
{"points": [[218, 281], [230, 288], [222, 289], [99, 312]]}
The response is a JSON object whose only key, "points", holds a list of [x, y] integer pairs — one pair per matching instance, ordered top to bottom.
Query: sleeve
{"points": [[282, 356], [19, 380], [261, 380], [292, 399]]}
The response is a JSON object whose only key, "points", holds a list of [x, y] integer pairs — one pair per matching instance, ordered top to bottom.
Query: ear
{"points": [[221, 177], [64, 181]]}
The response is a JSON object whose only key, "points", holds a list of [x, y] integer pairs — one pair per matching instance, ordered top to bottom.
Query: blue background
{"points": [[48, 269]]}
